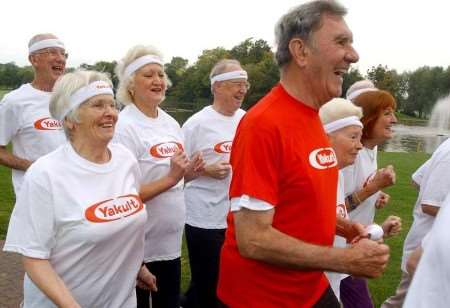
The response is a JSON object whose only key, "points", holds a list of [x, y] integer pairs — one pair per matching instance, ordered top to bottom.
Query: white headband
{"points": [[45, 44], [140, 62], [230, 75], [356, 93], [81, 95], [341, 123]]}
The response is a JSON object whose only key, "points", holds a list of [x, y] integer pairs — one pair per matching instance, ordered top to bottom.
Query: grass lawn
{"points": [[3, 92], [402, 200]]}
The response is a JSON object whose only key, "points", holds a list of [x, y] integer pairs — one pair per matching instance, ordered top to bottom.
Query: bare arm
{"points": [[12, 161], [383, 178], [430, 209], [257, 239], [413, 260], [47, 280]]}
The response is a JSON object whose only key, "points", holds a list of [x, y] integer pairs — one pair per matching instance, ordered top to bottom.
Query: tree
{"points": [[352, 76]]}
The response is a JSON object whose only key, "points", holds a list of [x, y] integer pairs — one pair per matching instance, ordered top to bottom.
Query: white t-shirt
{"points": [[25, 122], [211, 133], [153, 142], [356, 177], [434, 187], [87, 220], [339, 241], [430, 286]]}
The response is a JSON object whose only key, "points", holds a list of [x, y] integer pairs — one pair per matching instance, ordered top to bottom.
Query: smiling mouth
{"points": [[58, 69]]}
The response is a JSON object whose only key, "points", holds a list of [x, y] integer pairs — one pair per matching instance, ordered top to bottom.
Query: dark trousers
{"points": [[204, 247], [168, 275], [355, 293], [327, 300]]}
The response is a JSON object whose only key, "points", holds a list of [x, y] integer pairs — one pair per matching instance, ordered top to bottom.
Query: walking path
{"points": [[11, 279]]}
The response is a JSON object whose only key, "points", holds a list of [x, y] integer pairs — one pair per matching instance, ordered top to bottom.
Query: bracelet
{"points": [[353, 201]]}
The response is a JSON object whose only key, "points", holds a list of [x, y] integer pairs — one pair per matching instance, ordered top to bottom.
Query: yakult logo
{"points": [[47, 124], [223, 147], [165, 149], [322, 158], [114, 209]]}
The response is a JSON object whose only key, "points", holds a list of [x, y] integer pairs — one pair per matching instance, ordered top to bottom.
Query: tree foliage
{"points": [[416, 92]]}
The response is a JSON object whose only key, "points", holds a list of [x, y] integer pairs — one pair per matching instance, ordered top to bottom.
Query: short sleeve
{"points": [[9, 124], [188, 138], [256, 162], [435, 189], [31, 230]]}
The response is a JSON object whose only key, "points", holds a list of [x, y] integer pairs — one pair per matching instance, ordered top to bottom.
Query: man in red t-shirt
{"points": [[283, 191]]}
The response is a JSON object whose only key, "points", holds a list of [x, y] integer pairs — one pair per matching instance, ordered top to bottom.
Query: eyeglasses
{"points": [[54, 52], [241, 84]]}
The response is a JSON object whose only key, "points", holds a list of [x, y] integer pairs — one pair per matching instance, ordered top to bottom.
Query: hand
{"points": [[196, 165], [178, 166], [219, 170], [384, 177], [383, 199], [392, 226], [356, 232], [367, 258], [146, 280]]}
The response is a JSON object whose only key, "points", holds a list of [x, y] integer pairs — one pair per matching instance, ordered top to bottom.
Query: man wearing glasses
{"points": [[24, 115], [211, 132]]}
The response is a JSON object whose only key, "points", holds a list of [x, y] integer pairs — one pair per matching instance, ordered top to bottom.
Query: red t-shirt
{"points": [[281, 155]]}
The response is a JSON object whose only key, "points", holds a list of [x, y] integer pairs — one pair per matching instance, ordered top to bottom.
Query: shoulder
{"points": [[16, 96], [167, 118], [196, 118], [121, 152], [47, 166]]}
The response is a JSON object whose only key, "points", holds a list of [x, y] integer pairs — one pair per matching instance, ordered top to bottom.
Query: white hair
{"points": [[222, 67], [65, 87], [358, 88], [123, 90], [338, 108]]}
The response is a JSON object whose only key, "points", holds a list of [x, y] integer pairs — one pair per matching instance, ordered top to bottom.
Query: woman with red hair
{"points": [[364, 181]]}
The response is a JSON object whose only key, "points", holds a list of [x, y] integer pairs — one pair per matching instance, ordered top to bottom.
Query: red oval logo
{"points": [[47, 124], [223, 147], [165, 149], [323, 158], [114, 209]]}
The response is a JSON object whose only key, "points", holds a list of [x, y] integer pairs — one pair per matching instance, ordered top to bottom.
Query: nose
{"points": [[352, 55], [394, 118], [359, 145]]}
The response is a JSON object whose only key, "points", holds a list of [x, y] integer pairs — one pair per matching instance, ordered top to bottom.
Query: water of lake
{"points": [[414, 137]]}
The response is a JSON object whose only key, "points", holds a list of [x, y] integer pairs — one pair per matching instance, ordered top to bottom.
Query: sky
{"points": [[401, 34]]}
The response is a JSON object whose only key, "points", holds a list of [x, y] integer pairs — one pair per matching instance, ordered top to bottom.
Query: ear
{"points": [[299, 51], [32, 59]]}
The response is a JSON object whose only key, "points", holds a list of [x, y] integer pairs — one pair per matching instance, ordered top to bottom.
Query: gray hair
{"points": [[301, 22], [40, 37], [222, 67], [65, 87], [123, 90], [338, 108]]}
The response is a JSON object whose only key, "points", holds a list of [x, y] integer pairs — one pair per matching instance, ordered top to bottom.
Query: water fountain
{"points": [[439, 123]]}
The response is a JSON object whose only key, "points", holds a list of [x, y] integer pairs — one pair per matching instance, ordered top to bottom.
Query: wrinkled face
{"points": [[331, 53], [49, 63], [149, 85], [231, 93], [97, 119], [382, 130], [346, 142]]}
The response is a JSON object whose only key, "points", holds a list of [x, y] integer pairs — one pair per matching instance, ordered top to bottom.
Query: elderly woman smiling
{"points": [[156, 140], [79, 221]]}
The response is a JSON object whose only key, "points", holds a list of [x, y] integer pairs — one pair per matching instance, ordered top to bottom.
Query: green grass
{"points": [[3, 92], [402, 194]]}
